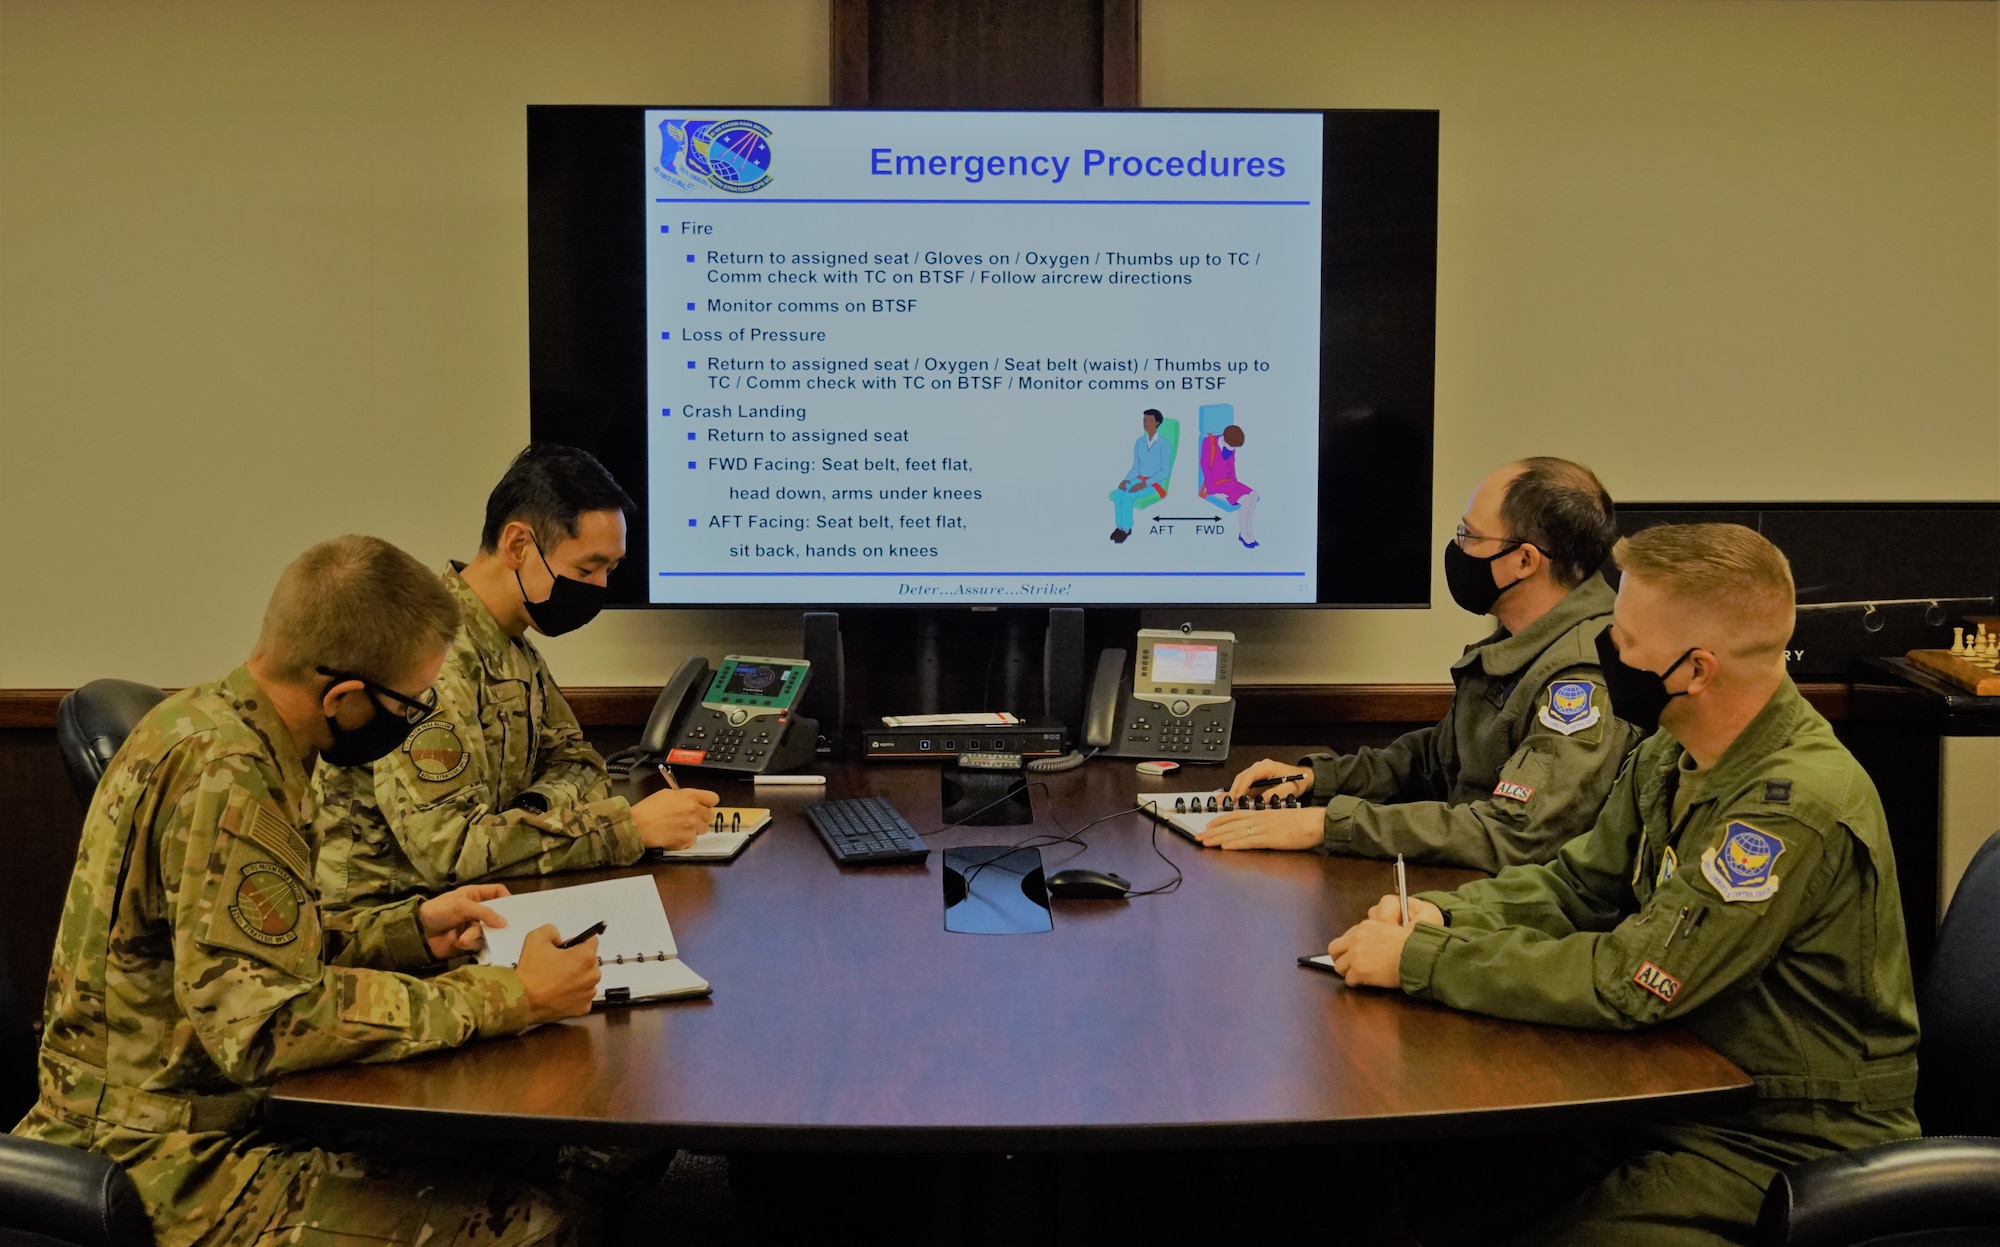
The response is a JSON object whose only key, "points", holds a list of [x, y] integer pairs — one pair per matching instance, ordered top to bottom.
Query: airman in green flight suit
{"points": [[1739, 881]]}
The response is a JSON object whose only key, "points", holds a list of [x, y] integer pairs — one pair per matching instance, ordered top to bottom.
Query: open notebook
{"points": [[726, 837], [636, 951]]}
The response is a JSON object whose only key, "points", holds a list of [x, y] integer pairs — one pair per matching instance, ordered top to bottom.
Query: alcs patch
{"points": [[1571, 707], [435, 752], [1518, 792], [1744, 866], [268, 903], [1657, 981]]}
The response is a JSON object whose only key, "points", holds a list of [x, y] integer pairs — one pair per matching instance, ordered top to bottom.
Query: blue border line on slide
{"points": [[1125, 203], [979, 575]]}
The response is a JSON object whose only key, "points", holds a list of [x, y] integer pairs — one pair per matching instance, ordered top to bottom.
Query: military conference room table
{"points": [[845, 1016]]}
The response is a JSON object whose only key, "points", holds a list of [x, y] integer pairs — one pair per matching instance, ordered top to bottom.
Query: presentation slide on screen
{"points": [[907, 357]]}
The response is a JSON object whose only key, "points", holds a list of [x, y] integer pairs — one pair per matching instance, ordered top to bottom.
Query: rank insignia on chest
{"points": [[1571, 707], [435, 752], [1513, 791], [1744, 866], [1657, 981]]}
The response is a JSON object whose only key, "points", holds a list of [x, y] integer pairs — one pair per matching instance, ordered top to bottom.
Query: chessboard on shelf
{"points": [[1972, 663]]}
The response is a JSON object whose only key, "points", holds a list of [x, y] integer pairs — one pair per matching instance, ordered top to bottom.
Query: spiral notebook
{"points": [[726, 837], [636, 951]]}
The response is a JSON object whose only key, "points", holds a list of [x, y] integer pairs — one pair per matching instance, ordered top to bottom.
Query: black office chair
{"points": [[92, 722], [1944, 1189], [53, 1195]]}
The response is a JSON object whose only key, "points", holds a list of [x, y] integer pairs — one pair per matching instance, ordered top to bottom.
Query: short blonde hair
{"points": [[1731, 573], [357, 605]]}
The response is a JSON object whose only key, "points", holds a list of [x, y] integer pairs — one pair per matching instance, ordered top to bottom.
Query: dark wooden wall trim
{"points": [[983, 53], [1268, 705]]}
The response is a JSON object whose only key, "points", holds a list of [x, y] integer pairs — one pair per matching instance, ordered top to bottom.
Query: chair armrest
{"points": [[1909, 1187], [69, 1195]]}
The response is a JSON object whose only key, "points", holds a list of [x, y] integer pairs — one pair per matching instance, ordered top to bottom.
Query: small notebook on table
{"points": [[727, 835], [636, 952]]}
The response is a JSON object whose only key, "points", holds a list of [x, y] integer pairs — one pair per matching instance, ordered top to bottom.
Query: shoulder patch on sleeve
{"points": [[1570, 707], [436, 754], [1513, 791], [1744, 866], [266, 903], [1657, 981]]}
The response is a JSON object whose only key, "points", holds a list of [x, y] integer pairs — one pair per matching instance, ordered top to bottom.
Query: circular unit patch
{"points": [[435, 751], [267, 904]]}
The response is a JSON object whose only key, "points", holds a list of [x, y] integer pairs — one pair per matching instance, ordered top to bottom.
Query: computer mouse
{"points": [[1081, 884]]}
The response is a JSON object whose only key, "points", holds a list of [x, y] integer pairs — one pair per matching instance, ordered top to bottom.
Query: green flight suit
{"points": [[1518, 765], [500, 782], [1764, 917], [193, 967]]}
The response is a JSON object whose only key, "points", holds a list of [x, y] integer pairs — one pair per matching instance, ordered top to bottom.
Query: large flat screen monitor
{"points": [[908, 358]]}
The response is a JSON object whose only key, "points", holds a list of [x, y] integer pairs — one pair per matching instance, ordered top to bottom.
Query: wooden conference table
{"points": [[846, 1017]]}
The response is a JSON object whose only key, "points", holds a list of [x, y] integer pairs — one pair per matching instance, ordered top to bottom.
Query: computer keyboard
{"points": [[866, 831]]}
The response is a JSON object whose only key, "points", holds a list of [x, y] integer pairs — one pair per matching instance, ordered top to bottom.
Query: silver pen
{"points": [[1402, 889]]}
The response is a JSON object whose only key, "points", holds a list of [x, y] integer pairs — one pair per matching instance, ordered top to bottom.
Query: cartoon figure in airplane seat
{"points": [[1152, 470], [1219, 486]]}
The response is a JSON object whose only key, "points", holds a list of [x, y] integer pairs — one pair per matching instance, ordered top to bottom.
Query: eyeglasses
{"points": [[1462, 534], [413, 709]]}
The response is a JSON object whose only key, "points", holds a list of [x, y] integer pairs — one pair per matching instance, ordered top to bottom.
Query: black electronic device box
{"points": [[1174, 703], [741, 717], [1033, 738]]}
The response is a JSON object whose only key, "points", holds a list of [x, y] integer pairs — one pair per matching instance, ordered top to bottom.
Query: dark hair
{"points": [[1154, 412], [547, 487], [1561, 509]]}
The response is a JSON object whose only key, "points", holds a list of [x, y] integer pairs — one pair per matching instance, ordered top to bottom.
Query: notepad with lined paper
{"points": [[728, 835], [636, 952]]}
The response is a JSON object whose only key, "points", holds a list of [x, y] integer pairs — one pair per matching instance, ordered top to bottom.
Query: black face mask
{"points": [[1470, 578], [570, 605], [1638, 696], [371, 742]]}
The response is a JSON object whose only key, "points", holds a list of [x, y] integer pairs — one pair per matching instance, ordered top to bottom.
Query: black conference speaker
{"points": [[1062, 669], [826, 696]]}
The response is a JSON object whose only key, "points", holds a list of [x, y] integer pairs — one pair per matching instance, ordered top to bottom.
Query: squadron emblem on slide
{"points": [[732, 156], [436, 752]]}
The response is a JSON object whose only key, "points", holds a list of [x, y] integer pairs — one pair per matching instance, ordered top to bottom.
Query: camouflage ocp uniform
{"points": [[499, 783], [194, 966]]}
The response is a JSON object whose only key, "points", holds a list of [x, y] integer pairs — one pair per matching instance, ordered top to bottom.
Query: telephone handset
{"points": [[1174, 703], [741, 717]]}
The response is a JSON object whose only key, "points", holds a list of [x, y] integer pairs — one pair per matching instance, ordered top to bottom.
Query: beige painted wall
{"points": [[262, 273]]}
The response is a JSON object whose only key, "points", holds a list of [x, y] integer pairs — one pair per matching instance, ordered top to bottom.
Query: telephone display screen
{"points": [[1184, 664], [752, 682]]}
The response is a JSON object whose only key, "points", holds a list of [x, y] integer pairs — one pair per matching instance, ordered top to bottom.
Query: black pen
{"points": [[1268, 781], [595, 928]]}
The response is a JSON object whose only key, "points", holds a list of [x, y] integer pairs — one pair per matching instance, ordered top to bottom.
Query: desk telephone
{"points": [[1175, 703], [741, 717]]}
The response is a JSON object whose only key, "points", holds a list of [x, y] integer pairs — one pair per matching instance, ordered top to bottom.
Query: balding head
{"points": [[1561, 509]]}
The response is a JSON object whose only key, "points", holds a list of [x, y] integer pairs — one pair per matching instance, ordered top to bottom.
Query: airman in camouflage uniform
{"points": [[1523, 759], [500, 783], [1739, 880], [194, 966]]}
